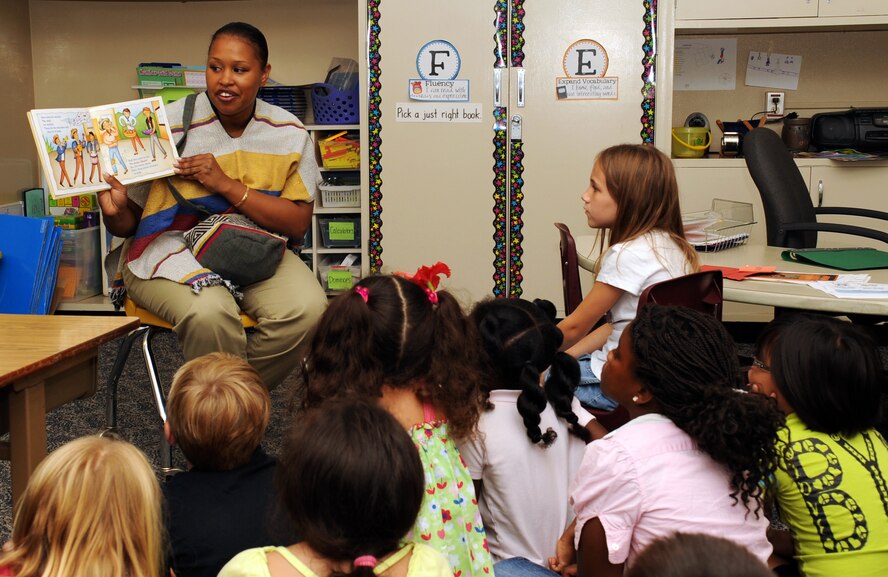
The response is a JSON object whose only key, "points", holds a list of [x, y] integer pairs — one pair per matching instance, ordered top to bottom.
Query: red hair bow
{"points": [[428, 277]]}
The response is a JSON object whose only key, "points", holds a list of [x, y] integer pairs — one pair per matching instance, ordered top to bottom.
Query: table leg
{"points": [[27, 434]]}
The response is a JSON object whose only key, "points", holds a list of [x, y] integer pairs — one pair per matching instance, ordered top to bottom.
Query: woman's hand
{"points": [[204, 169], [113, 202], [120, 214]]}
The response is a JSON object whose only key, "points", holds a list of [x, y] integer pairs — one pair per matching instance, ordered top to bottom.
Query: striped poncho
{"points": [[267, 157]]}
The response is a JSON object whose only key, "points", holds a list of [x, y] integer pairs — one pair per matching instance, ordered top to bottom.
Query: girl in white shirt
{"points": [[633, 195], [530, 437]]}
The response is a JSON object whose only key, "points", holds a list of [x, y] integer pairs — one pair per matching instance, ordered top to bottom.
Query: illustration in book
{"points": [[130, 140]]}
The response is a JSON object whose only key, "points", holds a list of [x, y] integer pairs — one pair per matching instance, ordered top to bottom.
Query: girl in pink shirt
{"points": [[695, 457]]}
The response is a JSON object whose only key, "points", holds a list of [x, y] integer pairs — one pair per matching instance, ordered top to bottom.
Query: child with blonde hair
{"points": [[633, 195], [408, 346], [218, 410], [92, 508]]}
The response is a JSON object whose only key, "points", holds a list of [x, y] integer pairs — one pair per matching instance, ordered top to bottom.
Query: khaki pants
{"points": [[286, 307]]}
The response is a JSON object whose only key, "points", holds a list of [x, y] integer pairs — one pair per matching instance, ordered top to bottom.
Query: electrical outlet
{"points": [[774, 105]]}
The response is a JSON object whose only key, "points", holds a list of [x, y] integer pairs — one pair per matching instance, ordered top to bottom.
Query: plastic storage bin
{"points": [[333, 106], [334, 196], [726, 225], [340, 232], [80, 267], [337, 277]]}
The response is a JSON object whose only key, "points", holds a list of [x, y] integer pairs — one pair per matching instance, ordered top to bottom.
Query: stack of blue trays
{"points": [[290, 98]]}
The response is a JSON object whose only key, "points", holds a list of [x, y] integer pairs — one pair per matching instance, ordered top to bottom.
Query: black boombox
{"points": [[863, 129]]}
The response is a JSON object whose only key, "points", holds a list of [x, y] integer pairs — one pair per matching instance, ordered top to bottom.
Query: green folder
{"points": [[840, 258]]}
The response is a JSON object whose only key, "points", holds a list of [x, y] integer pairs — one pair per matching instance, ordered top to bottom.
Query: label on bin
{"points": [[342, 230], [339, 279]]}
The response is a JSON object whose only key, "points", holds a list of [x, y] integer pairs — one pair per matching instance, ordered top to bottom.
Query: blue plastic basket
{"points": [[333, 106]]}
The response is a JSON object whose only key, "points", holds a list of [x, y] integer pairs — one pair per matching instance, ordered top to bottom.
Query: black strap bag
{"points": [[231, 245]]}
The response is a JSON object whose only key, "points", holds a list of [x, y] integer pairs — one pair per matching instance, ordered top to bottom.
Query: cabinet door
{"points": [[853, 8], [729, 9], [561, 137], [431, 162], [698, 185], [860, 185], [482, 196]]}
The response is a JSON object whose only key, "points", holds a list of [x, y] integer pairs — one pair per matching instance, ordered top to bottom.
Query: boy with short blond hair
{"points": [[217, 412]]}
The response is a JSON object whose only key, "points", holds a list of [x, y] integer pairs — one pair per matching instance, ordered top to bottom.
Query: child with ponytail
{"points": [[402, 343], [530, 437], [695, 457], [352, 483]]}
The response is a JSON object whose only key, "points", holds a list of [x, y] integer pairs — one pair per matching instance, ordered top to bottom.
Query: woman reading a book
{"points": [[240, 155]]}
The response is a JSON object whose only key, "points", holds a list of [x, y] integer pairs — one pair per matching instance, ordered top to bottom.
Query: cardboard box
{"points": [[340, 153]]}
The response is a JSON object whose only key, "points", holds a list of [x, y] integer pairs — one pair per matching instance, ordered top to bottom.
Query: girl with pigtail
{"points": [[402, 343], [530, 436], [352, 483]]}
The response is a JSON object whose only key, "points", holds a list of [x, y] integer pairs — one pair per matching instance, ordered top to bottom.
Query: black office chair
{"points": [[790, 216], [570, 269]]}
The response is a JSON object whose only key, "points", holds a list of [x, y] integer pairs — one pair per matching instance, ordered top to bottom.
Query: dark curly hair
{"points": [[401, 339], [520, 341], [688, 362], [351, 480]]}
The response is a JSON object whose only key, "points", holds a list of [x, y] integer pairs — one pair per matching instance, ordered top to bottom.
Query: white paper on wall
{"points": [[705, 64], [772, 70]]}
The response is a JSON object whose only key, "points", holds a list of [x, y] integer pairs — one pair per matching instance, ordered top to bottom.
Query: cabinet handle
{"points": [[520, 73], [497, 86], [819, 193]]}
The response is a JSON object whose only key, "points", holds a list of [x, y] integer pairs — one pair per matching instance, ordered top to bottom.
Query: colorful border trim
{"points": [[500, 35], [517, 46], [649, 76], [374, 126], [516, 166], [500, 202], [516, 220]]}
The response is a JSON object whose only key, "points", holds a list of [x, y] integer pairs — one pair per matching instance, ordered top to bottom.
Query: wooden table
{"points": [[774, 294], [45, 361]]}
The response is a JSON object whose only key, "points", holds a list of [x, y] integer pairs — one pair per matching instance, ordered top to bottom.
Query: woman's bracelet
{"points": [[244, 197]]}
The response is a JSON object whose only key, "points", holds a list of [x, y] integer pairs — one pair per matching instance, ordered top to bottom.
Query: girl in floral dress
{"points": [[400, 341]]}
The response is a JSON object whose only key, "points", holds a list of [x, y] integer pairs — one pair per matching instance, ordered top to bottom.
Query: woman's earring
{"points": [[635, 398]]}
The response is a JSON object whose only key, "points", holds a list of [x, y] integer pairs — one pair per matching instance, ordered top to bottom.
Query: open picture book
{"points": [[130, 140]]}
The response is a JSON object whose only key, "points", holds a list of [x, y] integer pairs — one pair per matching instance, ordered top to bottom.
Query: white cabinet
{"points": [[831, 8], [730, 9], [768, 14], [699, 181], [857, 185], [336, 244]]}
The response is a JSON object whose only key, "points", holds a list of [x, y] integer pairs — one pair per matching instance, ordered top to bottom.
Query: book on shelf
{"points": [[130, 140]]}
